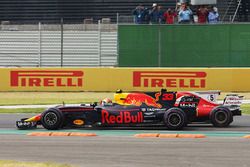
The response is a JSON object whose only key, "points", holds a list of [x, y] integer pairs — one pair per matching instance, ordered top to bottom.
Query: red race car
{"points": [[172, 109]]}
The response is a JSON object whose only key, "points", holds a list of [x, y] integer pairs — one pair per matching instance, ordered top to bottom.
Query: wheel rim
{"points": [[221, 117], [50, 118], [174, 119]]}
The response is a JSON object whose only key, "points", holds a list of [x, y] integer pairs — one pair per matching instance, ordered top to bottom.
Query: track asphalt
{"points": [[117, 147], [128, 151]]}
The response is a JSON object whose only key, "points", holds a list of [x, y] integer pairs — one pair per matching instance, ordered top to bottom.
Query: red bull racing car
{"points": [[175, 110]]}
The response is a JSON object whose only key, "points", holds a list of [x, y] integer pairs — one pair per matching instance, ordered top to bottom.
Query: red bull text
{"points": [[124, 117]]}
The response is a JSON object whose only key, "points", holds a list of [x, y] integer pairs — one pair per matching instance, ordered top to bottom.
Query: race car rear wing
{"points": [[229, 100], [232, 100]]}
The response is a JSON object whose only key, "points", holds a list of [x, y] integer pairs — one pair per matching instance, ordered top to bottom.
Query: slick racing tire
{"points": [[221, 117], [52, 119], [175, 119]]}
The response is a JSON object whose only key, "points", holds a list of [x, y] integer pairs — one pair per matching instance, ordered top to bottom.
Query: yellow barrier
{"points": [[128, 79]]}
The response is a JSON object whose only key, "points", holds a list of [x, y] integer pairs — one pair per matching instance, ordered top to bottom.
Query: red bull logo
{"points": [[46, 78], [169, 79], [139, 98], [124, 117]]}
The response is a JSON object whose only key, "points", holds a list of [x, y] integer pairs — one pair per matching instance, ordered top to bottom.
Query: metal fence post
{"points": [[117, 18], [117, 40], [61, 42], [99, 43], [39, 45], [159, 45]]}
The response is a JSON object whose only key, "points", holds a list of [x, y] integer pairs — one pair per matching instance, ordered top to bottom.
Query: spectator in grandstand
{"points": [[177, 10], [140, 13], [154, 14], [185, 14], [202, 14], [160, 15], [170, 16], [213, 16], [146, 17]]}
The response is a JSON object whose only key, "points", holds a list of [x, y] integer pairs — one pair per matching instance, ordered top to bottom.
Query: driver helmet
{"points": [[106, 101]]}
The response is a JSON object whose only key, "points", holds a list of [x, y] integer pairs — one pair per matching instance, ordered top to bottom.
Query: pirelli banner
{"points": [[128, 79]]}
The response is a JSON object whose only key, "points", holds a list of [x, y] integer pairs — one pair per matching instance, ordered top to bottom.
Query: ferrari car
{"points": [[174, 110]]}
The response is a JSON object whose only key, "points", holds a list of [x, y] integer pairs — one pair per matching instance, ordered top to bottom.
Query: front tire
{"points": [[221, 117], [52, 119], [175, 119]]}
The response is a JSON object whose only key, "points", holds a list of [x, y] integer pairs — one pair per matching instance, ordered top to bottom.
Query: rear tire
{"points": [[221, 117], [52, 119], [175, 119]]}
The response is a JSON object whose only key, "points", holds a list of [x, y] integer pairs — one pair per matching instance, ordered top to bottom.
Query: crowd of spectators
{"points": [[182, 14]]}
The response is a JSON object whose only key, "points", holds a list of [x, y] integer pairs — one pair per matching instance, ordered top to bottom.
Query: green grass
{"points": [[19, 98], [245, 108], [22, 110], [5, 163]]}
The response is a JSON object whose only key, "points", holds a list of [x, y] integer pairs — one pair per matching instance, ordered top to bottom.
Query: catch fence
{"points": [[47, 45]]}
